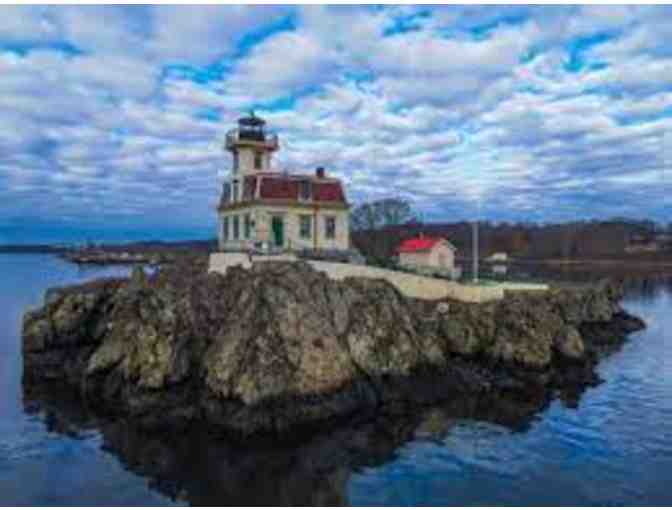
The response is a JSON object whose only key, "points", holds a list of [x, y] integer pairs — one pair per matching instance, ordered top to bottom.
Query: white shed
{"points": [[427, 252]]}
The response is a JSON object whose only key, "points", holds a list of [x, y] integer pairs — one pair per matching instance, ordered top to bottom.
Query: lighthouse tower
{"points": [[252, 148]]}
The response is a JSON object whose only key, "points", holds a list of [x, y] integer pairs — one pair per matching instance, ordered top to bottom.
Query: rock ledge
{"points": [[281, 345]]}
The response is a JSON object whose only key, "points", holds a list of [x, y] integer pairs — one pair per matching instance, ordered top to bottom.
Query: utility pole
{"points": [[665, 150], [667, 161], [475, 247], [475, 250]]}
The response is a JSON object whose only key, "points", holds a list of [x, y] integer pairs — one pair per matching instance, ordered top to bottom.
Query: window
{"points": [[257, 160], [236, 162], [249, 186], [304, 190], [236, 191], [226, 193], [248, 226], [305, 226], [236, 227], [330, 227], [225, 228]]}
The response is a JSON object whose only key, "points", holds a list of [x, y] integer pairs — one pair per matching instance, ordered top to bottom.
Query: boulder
{"points": [[569, 343]]}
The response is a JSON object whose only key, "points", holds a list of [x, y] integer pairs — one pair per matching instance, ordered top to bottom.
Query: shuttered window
{"points": [[248, 226], [305, 226], [236, 227], [330, 227], [225, 228]]}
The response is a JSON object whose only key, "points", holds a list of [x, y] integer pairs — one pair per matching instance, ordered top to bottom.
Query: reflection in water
{"points": [[647, 289], [201, 468]]}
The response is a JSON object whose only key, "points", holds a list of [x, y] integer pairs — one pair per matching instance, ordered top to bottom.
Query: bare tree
{"points": [[381, 213], [365, 217], [380, 226]]}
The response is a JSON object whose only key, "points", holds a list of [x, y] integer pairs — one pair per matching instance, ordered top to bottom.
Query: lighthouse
{"points": [[263, 209]]}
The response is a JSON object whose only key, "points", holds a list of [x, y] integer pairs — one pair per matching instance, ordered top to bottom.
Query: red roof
{"points": [[279, 187], [289, 188], [328, 192], [418, 244]]}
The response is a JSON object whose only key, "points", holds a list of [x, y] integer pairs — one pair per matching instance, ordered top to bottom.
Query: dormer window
{"points": [[304, 190]]}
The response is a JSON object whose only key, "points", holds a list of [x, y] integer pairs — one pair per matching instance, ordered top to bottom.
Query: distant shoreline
{"points": [[154, 248], [31, 249], [616, 260], [601, 262]]}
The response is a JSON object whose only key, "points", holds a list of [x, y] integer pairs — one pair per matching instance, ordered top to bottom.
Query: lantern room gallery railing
{"points": [[238, 135]]}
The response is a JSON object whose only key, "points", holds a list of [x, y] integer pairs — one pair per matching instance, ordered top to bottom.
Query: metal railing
{"points": [[236, 135]]}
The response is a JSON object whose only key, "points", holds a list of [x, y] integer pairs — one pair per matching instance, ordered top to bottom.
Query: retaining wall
{"points": [[411, 285]]}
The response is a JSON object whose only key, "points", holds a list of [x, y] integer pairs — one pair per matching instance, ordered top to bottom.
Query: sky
{"points": [[112, 118]]}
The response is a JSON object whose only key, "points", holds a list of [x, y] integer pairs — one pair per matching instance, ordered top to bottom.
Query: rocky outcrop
{"points": [[281, 345]]}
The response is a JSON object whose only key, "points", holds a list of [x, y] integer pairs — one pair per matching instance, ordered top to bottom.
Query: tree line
{"points": [[378, 227]]}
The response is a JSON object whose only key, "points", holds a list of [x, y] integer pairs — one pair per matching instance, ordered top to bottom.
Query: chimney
{"points": [[319, 172]]}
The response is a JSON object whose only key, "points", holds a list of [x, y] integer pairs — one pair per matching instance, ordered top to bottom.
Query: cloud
{"points": [[20, 24], [199, 34], [283, 65], [115, 115]]}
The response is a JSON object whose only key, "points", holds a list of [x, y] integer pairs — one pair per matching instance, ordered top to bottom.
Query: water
{"points": [[615, 447], [39, 466]]}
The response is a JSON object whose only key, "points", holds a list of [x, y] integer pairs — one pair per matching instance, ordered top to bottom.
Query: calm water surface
{"points": [[615, 447]]}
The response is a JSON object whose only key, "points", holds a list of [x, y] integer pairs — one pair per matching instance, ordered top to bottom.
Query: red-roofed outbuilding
{"points": [[417, 244], [427, 252]]}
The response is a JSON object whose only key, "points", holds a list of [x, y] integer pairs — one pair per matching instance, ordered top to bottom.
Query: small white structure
{"points": [[428, 254], [498, 257], [499, 269]]}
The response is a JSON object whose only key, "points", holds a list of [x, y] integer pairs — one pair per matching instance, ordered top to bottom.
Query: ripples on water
{"points": [[614, 448]]}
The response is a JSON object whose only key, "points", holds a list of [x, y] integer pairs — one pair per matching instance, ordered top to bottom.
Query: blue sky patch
{"points": [[577, 49]]}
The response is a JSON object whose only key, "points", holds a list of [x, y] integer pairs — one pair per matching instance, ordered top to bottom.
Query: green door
{"points": [[278, 227]]}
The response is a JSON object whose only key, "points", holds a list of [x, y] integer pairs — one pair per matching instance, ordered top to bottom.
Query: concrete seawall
{"points": [[411, 285]]}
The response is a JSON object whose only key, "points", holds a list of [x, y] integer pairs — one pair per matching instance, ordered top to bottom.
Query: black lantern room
{"points": [[252, 127]]}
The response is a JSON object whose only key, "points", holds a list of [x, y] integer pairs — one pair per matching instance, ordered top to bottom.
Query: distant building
{"points": [[264, 209], [664, 240], [642, 243], [428, 253], [498, 257], [499, 269]]}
